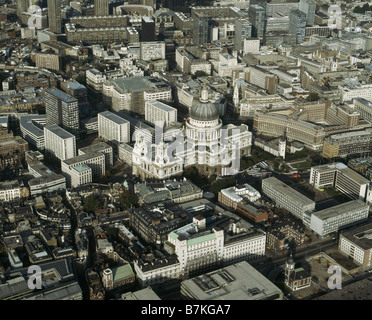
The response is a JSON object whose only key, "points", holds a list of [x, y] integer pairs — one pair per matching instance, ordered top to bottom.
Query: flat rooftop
{"points": [[113, 117], [60, 132], [342, 208], [239, 281]]}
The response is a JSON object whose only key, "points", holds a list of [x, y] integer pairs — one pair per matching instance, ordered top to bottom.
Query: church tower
{"points": [[289, 268]]}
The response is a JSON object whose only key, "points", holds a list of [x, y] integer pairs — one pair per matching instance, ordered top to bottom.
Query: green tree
{"points": [[313, 96], [220, 184], [127, 200], [91, 203]]}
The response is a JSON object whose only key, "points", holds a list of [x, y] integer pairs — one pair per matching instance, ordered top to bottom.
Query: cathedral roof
{"points": [[204, 110]]}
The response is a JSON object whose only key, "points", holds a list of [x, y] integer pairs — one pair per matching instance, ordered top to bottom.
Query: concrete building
{"points": [[101, 7], [308, 7], [256, 15], [55, 16], [297, 25], [200, 30], [243, 31], [152, 50], [352, 91], [132, 93], [364, 107], [62, 109], [159, 113], [32, 128], [113, 128], [59, 143], [348, 143], [100, 147], [77, 170], [342, 178], [44, 179], [232, 196], [287, 198], [338, 217], [356, 244], [199, 247], [239, 281]]}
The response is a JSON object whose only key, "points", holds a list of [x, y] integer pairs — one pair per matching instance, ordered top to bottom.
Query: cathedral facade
{"points": [[202, 142]]}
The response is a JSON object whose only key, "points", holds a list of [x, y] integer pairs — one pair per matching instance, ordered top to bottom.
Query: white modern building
{"points": [[351, 91], [159, 113], [112, 127], [32, 130], [59, 143], [101, 147], [96, 162], [342, 178], [287, 198], [337, 217], [198, 248]]}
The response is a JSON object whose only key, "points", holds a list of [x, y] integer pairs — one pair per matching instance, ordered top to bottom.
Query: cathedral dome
{"points": [[204, 110]]}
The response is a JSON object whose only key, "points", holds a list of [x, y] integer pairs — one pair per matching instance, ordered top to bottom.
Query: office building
{"points": [[22, 6], [101, 7], [308, 7], [55, 16], [256, 16], [297, 25], [147, 29], [200, 31], [243, 31], [152, 50], [48, 61], [95, 80], [352, 91], [79, 92], [131, 93], [364, 107], [62, 109], [159, 113], [277, 125], [32, 128], [113, 128], [59, 142], [347, 143], [100, 147], [77, 170], [342, 178], [44, 179], [10, 190], [170, 192], [232, 196], [287, 198], [333, 219], [154, 224], [356, 244], [199, 247], [239, 281]]}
